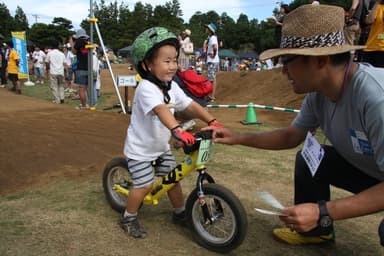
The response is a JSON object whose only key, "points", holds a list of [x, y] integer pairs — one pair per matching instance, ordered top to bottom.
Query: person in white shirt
{"points": [[38, 57], [213, 59], [56, 61], [68, 72], [152, 123]]}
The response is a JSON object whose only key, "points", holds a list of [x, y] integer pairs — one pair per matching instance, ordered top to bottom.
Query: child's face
{"points": [[164, 65]]}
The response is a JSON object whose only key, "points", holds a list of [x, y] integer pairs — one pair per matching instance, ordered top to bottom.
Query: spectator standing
{"points": [[279, 18], [352, 22], [364, 26], [78, 42], [185, 49], [374, 53], [38, 57], [55, 59], [213, 59], [4, 63], [226, 64], [199, 65], [13, 68], [68, 72], [346, 100]]}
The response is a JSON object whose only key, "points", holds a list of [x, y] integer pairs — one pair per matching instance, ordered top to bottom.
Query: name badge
{"points": [[380, 36], [312, 153]]}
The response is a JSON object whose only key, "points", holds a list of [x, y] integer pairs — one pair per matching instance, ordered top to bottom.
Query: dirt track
{"points": [[40, 140]]}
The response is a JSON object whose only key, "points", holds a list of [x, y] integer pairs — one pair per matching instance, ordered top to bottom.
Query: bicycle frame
{"points": [[194, 161]]}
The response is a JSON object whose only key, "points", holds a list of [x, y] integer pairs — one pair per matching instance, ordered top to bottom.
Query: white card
{"points": [[312, 153], [269, 199], [268, 212]]}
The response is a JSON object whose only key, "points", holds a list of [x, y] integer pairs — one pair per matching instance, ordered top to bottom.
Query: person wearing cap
{"points": [[79, 41], [186, 48], [213, 60], [345, 100]]}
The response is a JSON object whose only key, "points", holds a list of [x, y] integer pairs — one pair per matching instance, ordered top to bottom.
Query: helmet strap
{"points": [[164, 86]]}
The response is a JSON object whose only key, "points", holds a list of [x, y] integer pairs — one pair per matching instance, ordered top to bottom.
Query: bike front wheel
{"points": [[116, 174], [226, 227]]}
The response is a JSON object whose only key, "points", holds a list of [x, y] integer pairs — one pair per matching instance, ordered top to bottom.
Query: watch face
{"points": [[325, 221]]}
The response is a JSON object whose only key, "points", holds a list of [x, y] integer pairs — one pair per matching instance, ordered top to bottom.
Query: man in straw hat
{"points": [[346, 100]]}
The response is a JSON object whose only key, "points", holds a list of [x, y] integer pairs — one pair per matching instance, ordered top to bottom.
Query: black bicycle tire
{"points": [[108, 190], [235, 206]]}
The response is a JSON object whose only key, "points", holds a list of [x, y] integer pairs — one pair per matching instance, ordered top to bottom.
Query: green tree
{"points": [[20, 20], [6, 22], [228, 29]]}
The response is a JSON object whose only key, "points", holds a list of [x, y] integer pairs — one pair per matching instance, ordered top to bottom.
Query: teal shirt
{"points": [[355, 124]]}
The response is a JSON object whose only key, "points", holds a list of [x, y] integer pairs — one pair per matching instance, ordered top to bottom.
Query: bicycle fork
{"points": [[209, 215]]}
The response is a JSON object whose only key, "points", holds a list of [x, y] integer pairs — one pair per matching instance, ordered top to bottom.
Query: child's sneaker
{"points": [[180, 218], [132, 227], [292, 237]]}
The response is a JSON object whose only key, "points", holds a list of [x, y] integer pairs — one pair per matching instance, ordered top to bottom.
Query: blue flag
{"points": [[20, 45]]}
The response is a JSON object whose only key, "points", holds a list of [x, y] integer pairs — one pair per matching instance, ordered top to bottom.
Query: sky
{"points": [[77, 10]]}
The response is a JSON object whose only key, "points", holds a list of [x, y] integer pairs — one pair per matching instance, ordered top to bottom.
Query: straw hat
{"points": [[313, 30], [187, 32]]}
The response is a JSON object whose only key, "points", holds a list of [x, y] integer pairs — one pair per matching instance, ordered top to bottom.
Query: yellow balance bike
{"points": [[215, 215]]}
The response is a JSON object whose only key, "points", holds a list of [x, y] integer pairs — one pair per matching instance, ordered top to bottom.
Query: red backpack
{"points": [[198, 85]]}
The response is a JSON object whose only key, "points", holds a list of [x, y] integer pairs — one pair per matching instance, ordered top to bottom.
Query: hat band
{"points": [[324, 40]]}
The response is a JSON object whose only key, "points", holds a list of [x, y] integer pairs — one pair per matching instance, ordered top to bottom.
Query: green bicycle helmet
{"points": [[147, 42]]}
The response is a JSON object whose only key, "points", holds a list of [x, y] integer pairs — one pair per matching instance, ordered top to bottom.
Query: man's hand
{"points": [[221, 135], [183, 136], [301, 217]]}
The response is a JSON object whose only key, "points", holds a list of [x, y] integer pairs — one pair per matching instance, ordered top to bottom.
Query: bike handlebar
{"points": [[199, 136]]}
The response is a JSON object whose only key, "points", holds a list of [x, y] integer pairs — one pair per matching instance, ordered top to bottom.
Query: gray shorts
{"points": [[212, 68], [142, 171]]}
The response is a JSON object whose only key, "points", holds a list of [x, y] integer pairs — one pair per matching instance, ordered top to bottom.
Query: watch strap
{"points": [[323, 208]]}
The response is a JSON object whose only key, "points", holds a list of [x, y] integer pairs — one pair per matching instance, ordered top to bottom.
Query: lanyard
{"points": [[346, 74], [342, 88]]}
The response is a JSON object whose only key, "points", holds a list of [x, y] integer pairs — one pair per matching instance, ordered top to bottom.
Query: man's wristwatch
{"points": [[325, 220]]}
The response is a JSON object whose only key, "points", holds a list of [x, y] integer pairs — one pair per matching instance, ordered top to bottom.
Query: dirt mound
{"points": [[40, 140]]}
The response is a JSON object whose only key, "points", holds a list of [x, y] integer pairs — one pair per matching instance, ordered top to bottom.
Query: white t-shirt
{"points": [[185, 42], [211, 42], [38, 58], [69, 58], [56, 60], [147, 137]]}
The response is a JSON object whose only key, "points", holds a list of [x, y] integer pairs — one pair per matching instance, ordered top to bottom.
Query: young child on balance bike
{"points": [[157, 97]]}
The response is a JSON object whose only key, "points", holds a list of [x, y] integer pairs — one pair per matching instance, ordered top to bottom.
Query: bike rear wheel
{"points": [[116, 173], [228, 225]]}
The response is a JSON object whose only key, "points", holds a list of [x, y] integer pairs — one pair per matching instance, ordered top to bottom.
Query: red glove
{"points": [[215, 124], [185, 137]]}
